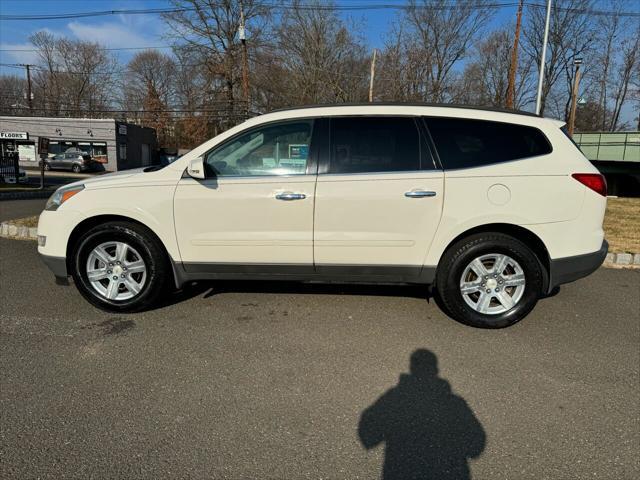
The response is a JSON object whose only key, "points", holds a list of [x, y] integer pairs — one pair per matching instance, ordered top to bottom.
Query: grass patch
{"points": [[12, 187], [26, 221], [622, 224]]}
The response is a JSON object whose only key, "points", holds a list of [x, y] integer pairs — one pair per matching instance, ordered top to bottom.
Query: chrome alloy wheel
{"points": [[116, 270], [492, 284]]}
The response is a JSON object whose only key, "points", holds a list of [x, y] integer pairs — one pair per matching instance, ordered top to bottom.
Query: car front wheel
{"points": [[76, 169], [120, 267], [489, 280]]}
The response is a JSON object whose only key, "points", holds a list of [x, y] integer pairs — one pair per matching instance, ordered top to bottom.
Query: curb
{"points": [[25, 195], [9, 230], [622, 259]]}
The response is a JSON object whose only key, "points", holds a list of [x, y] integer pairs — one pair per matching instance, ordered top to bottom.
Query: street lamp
{"points": [[574, 94]]}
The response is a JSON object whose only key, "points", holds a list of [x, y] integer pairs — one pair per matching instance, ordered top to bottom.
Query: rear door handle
{"points": [[419, 193], [290, 196]]}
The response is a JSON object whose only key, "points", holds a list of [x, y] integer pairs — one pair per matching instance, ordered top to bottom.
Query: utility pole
{"points": [[543, 59], [245, 61], [373, 74], [511, 88], [29, 94], [574, 96]]}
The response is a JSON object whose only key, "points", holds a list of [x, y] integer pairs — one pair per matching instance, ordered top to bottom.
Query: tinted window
{"points": [[473, 143], [374, 145], [280, 149]]}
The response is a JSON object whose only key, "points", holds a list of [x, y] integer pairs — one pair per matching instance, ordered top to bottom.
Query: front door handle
{"points": [[419, 193], [290, 196]]}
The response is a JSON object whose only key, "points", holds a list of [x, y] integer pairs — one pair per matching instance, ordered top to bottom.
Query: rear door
{"points": [[378, 198]]}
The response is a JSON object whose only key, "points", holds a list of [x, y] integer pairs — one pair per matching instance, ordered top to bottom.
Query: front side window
{"points": [[463, 143], [375, 144], [276, 149]]}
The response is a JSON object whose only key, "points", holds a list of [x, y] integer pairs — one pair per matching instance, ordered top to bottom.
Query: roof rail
{"points": [[410, 104]]}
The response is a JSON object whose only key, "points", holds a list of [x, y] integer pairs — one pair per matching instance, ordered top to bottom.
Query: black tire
{"points": [[47, 167], [76, 168], [149, 247], [462, 253]]}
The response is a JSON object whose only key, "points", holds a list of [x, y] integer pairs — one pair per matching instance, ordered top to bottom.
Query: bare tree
{"points": [[609, 28], [209, 29], [444, 34], [571, 35], [317, 57], [403, 69], [627, 73], [73, 77], [485, 77], [149, 86], [192, 95], [13, 99]]}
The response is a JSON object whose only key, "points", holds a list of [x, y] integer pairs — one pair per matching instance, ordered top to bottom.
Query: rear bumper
{"points": [[569, 269]]}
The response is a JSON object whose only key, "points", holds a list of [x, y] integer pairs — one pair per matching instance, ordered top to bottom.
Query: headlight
{"points": [[62, 195]]}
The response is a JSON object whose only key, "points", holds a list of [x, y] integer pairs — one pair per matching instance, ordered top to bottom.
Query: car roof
{"points": [[410, 105], [403, 109]]}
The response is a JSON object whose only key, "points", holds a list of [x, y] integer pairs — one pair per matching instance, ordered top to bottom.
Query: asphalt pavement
{"points": [[12, 209], [280, 380]]}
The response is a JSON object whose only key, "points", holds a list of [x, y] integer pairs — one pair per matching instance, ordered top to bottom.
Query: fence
{"points": [[610, 146], [9, 169]]}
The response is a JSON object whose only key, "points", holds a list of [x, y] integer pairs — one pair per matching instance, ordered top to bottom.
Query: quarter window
{"points": [[463, 143], [361, 145], [281, 149]]}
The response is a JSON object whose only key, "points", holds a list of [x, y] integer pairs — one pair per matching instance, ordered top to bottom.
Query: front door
{"points": [[378, 199], [254, 211]]}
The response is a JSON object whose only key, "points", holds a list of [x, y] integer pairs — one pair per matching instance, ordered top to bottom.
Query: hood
{"points": [[109, 178]]}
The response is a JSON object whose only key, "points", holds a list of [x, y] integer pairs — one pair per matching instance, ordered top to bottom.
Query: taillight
{"points": [[595, 181]]}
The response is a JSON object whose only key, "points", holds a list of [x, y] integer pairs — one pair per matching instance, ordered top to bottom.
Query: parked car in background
{"points": [[167, 158], [76, 161], [494, 209]]}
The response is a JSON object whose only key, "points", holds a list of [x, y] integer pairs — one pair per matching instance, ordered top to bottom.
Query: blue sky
{"points": [[118, 31]]}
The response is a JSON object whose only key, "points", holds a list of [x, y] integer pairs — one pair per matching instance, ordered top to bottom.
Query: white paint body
{"points": [[361, 219]]}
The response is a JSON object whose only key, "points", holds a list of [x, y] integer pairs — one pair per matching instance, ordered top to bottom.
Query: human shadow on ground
{"points": [[428, 432]]}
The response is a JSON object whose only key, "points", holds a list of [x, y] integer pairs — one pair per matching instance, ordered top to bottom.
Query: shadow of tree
{"points": [[428, 432]]}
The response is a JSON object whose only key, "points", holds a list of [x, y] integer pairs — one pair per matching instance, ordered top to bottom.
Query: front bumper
{"points": [[58, 265], [569, 269]]}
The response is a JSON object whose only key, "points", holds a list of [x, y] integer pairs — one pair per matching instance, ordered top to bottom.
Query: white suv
{"points": [[495, 209]]}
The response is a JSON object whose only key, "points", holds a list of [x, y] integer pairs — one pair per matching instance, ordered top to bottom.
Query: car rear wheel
{"points": [[47, 166], [76, 168], [120, 267], [489, 280]]}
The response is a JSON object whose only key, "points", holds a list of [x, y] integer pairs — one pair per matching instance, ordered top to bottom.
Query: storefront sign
{"points": [[122, 129], [14, 135]]}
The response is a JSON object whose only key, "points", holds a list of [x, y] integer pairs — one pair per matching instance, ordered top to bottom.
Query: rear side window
{"points": [[463, 143], [375, 144]]}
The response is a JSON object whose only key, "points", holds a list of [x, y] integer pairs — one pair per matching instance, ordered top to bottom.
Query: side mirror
{"points": [[196, 168]]}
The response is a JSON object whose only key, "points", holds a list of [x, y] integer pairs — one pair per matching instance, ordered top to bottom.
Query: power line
{"points": [[327, 7], [151, 47]]}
